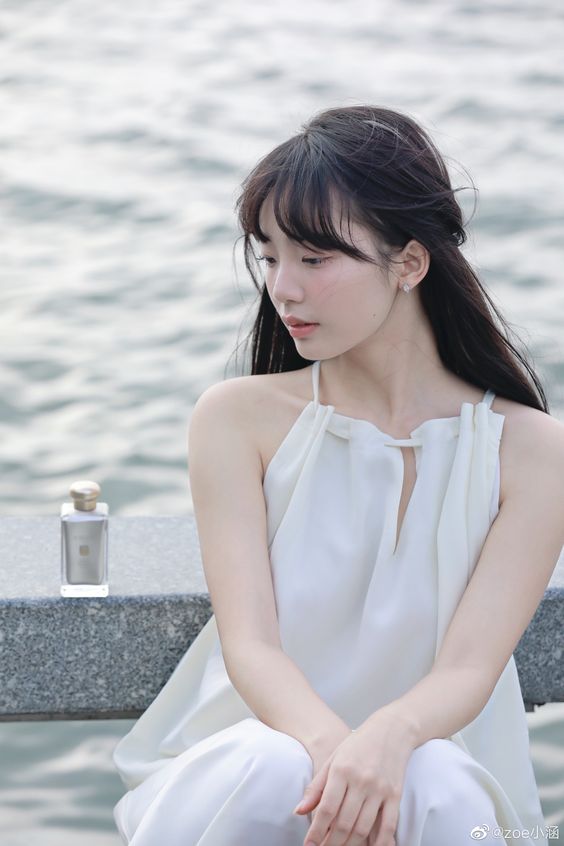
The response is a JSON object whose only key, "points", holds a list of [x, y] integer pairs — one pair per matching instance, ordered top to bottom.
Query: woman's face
{"points": [[348, 299]]}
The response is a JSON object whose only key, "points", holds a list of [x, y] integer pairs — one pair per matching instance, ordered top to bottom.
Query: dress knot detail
{"points": [[401, 442]]}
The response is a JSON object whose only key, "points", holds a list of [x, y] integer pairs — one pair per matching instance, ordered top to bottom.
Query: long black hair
{"points": [[389, 177]]}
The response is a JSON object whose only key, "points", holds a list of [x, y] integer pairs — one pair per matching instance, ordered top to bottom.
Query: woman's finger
{"points": [[313, 792], [327, 809], [345, 821], [387, 823], [364, 824]]}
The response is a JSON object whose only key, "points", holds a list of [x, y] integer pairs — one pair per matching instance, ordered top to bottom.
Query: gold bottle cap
{"points": [[84, 493]]}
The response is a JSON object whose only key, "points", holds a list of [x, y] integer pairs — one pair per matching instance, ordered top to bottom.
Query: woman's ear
{"points": [[414, 263]]}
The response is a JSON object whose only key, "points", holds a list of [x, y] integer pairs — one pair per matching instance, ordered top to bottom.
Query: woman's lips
{"points": [[303, 330]]}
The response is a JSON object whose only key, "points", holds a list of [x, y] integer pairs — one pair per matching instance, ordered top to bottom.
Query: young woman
{"points": [[380, 509]]}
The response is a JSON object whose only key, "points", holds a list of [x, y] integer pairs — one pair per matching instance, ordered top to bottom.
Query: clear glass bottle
{"points": [[84, 542]]}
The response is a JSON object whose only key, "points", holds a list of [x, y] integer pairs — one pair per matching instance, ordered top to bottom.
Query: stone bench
{"points": [[106, 658]]}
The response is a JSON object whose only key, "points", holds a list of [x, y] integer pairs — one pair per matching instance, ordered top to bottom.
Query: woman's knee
{"points": [[276, 754], [277, 770], [441, 771], [444, 800]]}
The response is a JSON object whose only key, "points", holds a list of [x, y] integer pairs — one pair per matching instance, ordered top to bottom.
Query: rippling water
{"points": [[126, 130]]}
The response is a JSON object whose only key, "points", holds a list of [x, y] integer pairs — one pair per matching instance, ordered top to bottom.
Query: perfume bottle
{"points": [[84, 542]]}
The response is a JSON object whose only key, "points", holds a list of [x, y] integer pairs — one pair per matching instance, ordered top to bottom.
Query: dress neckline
{"points": [[487, 399]]}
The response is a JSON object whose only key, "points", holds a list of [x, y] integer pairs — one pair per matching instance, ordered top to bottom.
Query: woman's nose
{"points": [[286, 284]]}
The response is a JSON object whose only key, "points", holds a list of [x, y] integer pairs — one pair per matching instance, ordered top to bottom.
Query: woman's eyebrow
{"points": [[267, 240]]}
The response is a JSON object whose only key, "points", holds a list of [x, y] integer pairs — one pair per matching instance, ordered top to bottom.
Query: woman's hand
{"points": [[323, 750], [357, 791]]}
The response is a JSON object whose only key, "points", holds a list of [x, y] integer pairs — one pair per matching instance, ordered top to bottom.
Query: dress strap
{"points": [[315, 381], [488, 397]]}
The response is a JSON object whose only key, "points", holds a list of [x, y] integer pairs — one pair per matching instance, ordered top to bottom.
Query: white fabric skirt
{"points": [[239, 786]]}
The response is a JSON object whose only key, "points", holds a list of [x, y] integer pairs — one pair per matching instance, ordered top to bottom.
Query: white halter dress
{"points": [[363, 621]]}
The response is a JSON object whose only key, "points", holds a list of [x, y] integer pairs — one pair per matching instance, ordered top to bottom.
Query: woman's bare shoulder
{"points": [[266, 405], [529, 435]]}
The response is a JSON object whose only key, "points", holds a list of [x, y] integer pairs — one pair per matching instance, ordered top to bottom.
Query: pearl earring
{"points": [[406, 287]]}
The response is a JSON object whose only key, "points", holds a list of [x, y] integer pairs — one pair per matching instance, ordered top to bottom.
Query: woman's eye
{"points": [[313, 260]]}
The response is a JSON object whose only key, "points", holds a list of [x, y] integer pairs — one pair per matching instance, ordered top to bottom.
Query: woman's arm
{"points": [[225, 470], [515, 565], [280, 695]]}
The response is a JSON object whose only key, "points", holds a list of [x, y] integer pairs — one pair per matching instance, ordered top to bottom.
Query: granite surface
{"points": [[95, 658]]}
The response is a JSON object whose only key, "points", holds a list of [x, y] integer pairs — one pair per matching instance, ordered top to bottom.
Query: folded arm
{"points": [[225, 469], [512, 573]]}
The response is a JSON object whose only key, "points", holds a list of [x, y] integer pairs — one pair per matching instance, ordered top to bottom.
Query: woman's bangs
{"points": [[305, 210]]}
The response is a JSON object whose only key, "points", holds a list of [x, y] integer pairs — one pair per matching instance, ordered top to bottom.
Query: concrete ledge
{"points": [[106, 658]]}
